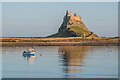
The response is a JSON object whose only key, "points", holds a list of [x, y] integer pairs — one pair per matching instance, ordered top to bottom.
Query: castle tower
{"points": [[67, 12], [75, 14]]}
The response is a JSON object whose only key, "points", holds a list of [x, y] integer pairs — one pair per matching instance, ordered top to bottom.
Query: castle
{"points": [[73, 17], [72, 26]]}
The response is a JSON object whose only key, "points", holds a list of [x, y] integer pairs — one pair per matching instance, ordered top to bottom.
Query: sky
{"points": [[40, 19]]}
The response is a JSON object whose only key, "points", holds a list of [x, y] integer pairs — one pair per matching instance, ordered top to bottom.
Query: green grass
{"points": [[79, 30], [61, 34], [93, 35], [53, 39], [79, 39], [9, 40]]}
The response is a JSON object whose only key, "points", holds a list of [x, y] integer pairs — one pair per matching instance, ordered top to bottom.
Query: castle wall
{"points": [[69, 14], [77, 18]]}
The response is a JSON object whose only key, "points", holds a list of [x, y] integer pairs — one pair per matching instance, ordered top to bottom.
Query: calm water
{"points": [[61, 62]]}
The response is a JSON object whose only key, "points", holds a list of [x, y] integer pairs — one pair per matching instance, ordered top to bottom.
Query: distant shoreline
{"points": [[68, 41], [22, 44]]}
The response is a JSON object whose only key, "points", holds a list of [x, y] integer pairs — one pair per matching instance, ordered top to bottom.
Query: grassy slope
{"points": [[79, 30], [61, 34], [93, 35]]}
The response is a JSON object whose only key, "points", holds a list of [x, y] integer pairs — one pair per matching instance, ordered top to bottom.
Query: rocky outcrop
{"points": [[73, 26]]}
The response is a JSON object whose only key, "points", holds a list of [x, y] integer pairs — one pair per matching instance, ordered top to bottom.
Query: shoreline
{"points": [[67, 41], [81, 43]]}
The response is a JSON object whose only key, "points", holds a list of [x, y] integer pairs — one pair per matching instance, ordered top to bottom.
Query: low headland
{"points": [[57, 41]]}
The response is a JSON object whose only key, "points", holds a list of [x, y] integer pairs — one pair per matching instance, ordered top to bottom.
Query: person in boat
{"points": [[31, 50]]}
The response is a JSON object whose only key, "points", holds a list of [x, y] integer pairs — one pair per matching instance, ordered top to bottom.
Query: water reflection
{"points": [[30, 58], [72, 58], [70, 62]]}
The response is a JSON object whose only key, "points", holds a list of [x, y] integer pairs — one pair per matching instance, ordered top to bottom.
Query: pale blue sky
{"points": [[38, 19]]}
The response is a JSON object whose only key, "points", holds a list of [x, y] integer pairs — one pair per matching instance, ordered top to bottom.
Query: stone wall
{"points": [[69, 14], [73, 17], [77, 18]]}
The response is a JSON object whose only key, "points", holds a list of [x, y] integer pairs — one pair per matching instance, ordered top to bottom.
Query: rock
{"points": [[73, 26]]}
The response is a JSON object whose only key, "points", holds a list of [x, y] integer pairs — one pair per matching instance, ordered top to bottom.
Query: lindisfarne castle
{"points": [[73, 17], [72, 26]]}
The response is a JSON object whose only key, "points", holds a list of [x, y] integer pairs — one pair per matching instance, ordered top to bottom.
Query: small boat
{"points": [[30, 51]]}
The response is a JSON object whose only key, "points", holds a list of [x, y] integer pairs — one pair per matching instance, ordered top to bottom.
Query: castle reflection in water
{"points": [[72, 58]]}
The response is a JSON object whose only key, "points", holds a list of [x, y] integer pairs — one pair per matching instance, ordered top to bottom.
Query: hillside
{"points": [[73, 26]]}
